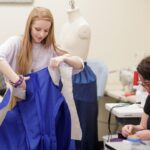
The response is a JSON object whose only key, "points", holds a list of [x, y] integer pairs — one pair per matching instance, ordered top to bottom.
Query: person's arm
{"points": [[8, 54], [74, 61], [8, 71], [10, 74], [143, 123], [134, 129], [141, 130], [143, 134]]}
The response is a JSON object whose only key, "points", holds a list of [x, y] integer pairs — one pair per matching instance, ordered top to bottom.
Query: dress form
{"points": [[75, 34], [75, 38]]}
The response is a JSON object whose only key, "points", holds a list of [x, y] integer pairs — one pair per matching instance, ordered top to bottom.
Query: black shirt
{"points": [[147, 110]]}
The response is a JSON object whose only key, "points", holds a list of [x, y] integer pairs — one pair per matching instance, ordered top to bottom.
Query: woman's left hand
{"points": [[56, 61]]}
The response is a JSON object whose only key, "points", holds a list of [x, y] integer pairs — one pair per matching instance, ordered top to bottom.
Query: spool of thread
{"points": [[135, 78], [135, 139]]}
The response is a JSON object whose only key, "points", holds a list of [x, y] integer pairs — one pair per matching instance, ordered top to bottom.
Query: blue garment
{"points": [[84, 85], [85, 95], [41, 121]]}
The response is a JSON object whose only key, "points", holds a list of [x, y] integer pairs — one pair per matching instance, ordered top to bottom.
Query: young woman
{"points": [[35, 50], [42, 120], [143, 129]]}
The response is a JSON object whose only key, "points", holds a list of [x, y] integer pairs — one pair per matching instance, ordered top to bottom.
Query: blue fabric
{"points": [[84, 85], [85, 95], [41, 121], [72, 145]]}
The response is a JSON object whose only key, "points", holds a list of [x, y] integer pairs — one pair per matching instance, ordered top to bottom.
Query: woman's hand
{"points": [[56, 61], [20, 83], [23, 85], [127, 130], [143, 134]]}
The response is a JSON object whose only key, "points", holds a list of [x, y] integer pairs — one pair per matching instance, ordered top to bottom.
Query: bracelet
{"points": [[19, 82]]}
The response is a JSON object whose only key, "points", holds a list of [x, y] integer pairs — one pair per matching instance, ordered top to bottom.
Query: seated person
{"points": [[143, 129]]}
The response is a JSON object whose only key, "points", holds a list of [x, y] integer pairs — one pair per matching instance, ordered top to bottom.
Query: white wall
{"points": [[120, 28]]}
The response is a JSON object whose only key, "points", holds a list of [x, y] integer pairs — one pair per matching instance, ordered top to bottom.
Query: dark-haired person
{"points": [[143, 129]]}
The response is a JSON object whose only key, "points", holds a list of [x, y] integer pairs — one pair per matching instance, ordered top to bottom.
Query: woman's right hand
{"points": [[23, 85], [127, 130]]}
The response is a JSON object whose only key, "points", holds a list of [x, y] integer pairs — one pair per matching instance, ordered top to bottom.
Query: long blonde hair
{"points": [[24, 60]]}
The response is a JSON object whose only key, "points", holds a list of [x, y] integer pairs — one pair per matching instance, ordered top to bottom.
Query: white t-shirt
{"points": [[41, 55]]}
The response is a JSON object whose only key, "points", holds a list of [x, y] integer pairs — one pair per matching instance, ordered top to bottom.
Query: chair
{"points": [[101, 71]]}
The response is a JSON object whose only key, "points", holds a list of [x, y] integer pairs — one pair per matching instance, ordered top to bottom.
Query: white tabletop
{"points": [[124, 110], [126, 145]]}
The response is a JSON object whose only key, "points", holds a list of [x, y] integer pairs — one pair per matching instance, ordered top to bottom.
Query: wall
{"points": [[120, 28]]}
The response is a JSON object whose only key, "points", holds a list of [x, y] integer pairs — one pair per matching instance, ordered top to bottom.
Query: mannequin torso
{"points": [[75, 34], [75, 38]]}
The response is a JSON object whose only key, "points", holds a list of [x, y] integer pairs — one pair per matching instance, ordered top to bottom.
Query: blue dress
{"points": [[85, 95], [41, 121]]}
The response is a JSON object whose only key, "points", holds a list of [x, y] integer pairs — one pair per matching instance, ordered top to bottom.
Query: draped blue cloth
{"points": [[84, 85], [85, 95], [41, 121]]}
